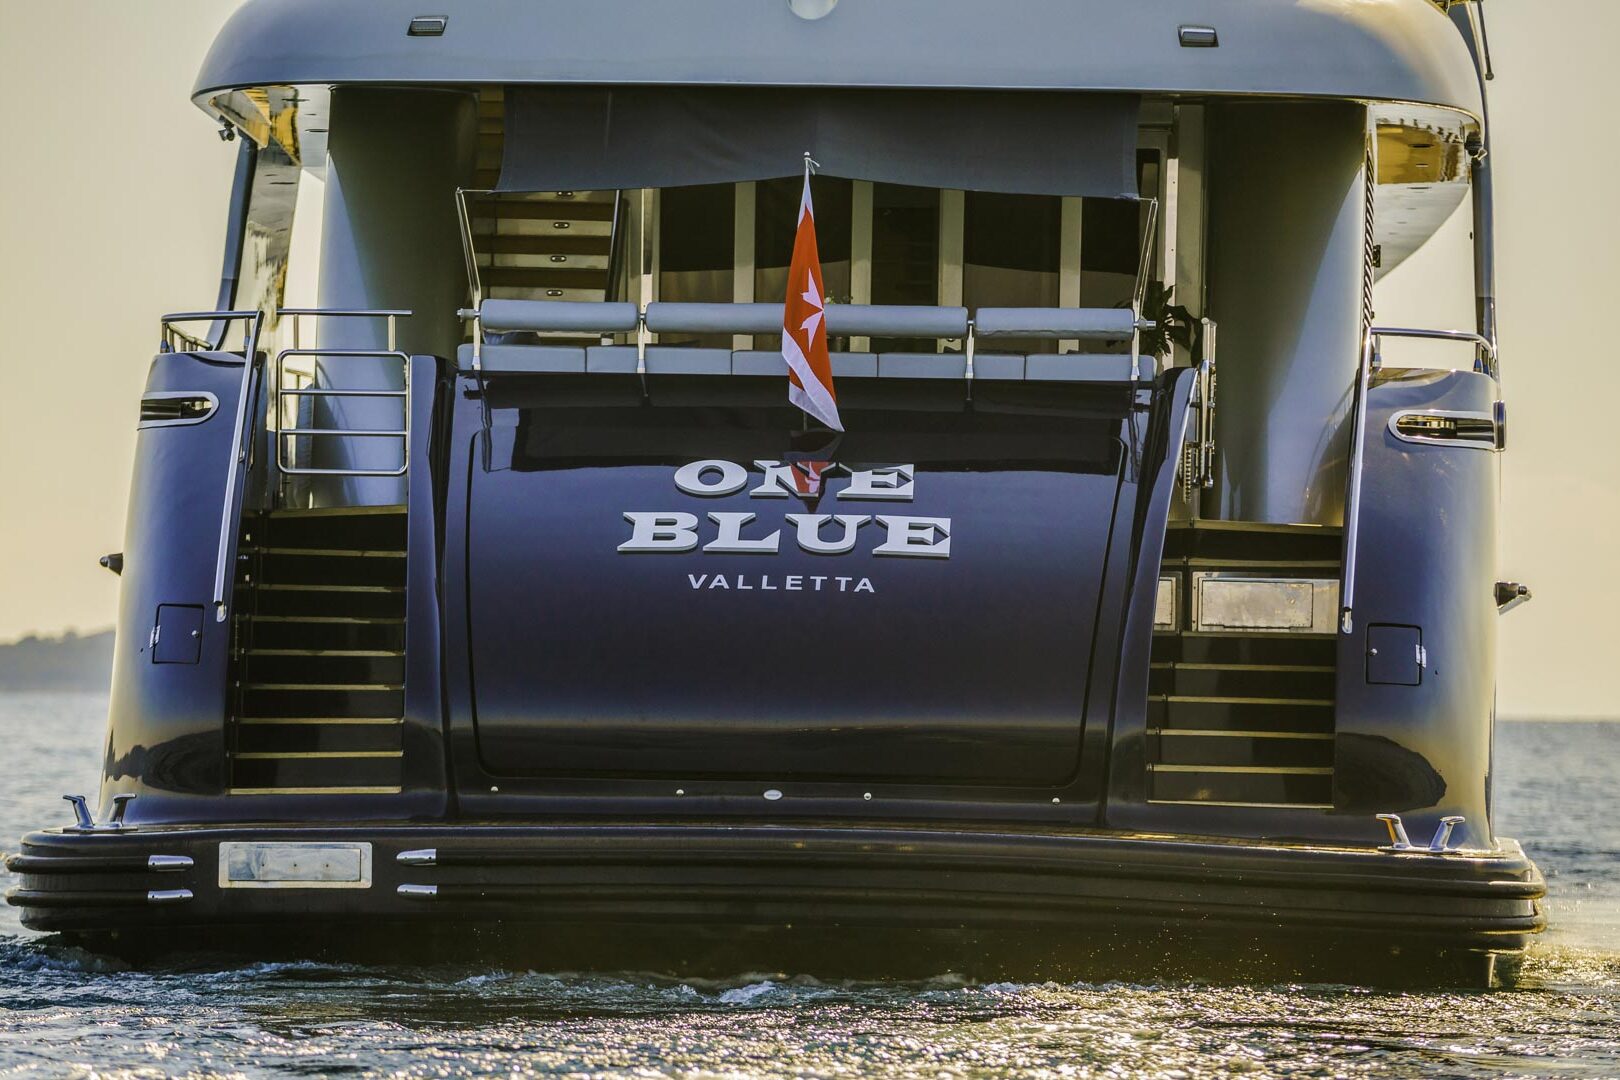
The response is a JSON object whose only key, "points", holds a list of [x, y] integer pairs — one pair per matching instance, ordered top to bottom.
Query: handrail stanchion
{"points": [[1144, 268], [475, 282], [1352, 497], [231, 514]]}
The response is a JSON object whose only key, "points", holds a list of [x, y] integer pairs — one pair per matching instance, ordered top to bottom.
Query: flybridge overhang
{"points": [[1388, 50]]}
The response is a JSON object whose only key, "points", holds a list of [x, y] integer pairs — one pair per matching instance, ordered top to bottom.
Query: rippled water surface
{"points": [[66, 1014]]}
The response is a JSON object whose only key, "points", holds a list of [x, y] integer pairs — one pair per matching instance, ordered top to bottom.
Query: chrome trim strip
{"points": [[1246, 770], [419, 857], [167, 863], [418, 892], [168, 896]]}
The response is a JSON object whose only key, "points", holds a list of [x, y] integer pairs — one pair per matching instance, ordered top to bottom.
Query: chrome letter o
{"points": [[732, 479]]}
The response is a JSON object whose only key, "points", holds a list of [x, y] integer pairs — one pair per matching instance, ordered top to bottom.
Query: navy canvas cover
{"points": [[1030, 142]]}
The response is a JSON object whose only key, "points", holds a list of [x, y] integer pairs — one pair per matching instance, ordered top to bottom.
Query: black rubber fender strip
{"points": [[80, 864], [1304, 877], [56, 898], [609, 901]]}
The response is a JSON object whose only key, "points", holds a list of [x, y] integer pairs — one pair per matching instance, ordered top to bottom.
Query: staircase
{"points": [[551, 245], [318, 663], [1244, 717]]}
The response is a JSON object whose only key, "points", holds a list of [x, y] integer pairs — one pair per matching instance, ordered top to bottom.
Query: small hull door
{"points": [[635, 615]]}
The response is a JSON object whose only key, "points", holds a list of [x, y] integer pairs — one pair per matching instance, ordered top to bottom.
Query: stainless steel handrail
{"points": [[1144, 259], [1144, 271], [475, 282], [349, 313], [392, 315], [169, 335], [1484, 344], [1370, 358], [1210, 378], [283, 393], [341, 393], [1352, 495], [230, 515]]}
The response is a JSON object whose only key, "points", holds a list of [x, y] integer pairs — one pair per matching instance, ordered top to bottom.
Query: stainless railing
{"points": [[1144, 273], [174, 339], [1371, 351], [1485, 363], [284, 394], [241, 439], [1198, 460]]}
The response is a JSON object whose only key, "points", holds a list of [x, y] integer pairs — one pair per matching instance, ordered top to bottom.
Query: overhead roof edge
{"points": [[1383, 50]]}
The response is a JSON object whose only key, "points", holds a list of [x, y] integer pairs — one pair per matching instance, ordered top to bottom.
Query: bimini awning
{"points": [[1025, 142]]}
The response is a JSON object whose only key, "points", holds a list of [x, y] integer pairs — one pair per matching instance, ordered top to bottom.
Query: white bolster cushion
{"points": [[565, 316], [843, 320], [1109, 324]]}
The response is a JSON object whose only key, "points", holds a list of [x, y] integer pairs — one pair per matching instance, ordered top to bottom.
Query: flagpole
{"points": [[810, 167], [804, 309]]}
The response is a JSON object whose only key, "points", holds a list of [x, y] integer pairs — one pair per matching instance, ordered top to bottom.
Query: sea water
{"points": [[66, 1013]]}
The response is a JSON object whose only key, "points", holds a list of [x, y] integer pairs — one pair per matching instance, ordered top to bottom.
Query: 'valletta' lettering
{"points": [[772, 583]]}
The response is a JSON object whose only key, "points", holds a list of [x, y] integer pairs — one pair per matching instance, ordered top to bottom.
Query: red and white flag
{"points": [[804, 330]]}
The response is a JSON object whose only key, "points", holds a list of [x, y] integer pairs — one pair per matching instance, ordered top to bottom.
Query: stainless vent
{"points": [[172, 408], [1442, 428]]}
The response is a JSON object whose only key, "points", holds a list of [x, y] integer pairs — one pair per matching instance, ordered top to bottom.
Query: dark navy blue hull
{"points": [[951, 708], [662, 894]]}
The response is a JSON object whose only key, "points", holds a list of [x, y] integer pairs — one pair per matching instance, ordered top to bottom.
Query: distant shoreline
{"points": [[69, 662]]}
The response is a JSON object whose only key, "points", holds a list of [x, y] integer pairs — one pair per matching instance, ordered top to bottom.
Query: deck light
{"points": [[428, 25], [1199, 37]]}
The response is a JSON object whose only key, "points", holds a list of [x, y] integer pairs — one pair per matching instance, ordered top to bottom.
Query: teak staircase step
{"points": [[319, 661]]}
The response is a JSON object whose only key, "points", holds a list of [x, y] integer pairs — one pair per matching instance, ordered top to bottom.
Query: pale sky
{"points": [[112, 202]]}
